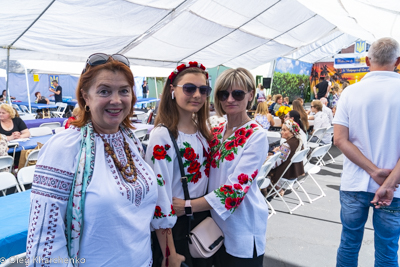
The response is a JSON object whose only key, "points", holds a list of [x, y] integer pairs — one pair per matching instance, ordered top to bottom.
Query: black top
{"points": [[322, 88], [144, 89], [58, 98], [19, 125]]}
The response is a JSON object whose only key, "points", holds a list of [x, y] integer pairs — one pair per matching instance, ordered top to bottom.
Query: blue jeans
{"points": [[386, 222]]}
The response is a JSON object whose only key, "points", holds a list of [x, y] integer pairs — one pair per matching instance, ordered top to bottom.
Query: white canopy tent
{"points": [[162, 34]]}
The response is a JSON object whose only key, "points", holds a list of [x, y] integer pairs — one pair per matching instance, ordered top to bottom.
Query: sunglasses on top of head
{"points": [[101, 58], [189, 89], [238, 95]]}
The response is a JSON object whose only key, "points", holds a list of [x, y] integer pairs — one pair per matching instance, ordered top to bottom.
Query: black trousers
{"points": [[179, 233], [223, 259]]}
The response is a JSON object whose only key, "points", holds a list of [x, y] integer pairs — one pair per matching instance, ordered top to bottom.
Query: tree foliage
{"points": [[288, 84]]}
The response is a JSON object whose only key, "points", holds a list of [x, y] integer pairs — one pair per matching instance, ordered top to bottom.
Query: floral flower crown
{"points": [[191, 64], [293, 126]]}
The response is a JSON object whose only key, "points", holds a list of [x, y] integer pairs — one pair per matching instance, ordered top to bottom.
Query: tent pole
{"points": [[8, 70], [155, 82], [27, 89]]}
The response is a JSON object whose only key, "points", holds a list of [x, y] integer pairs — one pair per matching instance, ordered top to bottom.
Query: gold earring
{"points": [[87, 108]]}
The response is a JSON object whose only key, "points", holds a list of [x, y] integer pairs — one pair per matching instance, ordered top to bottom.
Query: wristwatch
{"points": [[188, 208]]}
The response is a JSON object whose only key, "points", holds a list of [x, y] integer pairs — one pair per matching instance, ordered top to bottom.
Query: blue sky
{"points": [[284, 65]]}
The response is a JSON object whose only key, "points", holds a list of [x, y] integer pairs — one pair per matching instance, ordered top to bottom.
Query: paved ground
{"points": [[311, 235]]}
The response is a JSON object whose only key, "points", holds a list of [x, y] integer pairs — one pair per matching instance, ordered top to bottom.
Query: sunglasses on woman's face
{"points": [[101, 58], [189, 89], [238, 95]]}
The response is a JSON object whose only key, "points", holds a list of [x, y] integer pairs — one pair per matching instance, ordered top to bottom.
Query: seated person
{"points": [[3, 96], [41, 99], [286, 101], [278, 104], [327, 110], [74, 116], [295, 116], [263, 117], [321, 120], [11, 126], [290, 132]]}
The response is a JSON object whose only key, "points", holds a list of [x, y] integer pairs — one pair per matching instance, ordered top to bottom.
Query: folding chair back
{"points": [[62, 107], [17, 108], [24, 109], [150, 116], [65, 122], [51, 125], [40, 131], [140, 133], [319, 133], [273, 134], [320, 151], [32, 156], [6, 162], [25, 176], [7, 180]]}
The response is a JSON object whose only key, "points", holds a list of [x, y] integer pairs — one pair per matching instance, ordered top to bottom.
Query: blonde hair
{"points": [[240, 77], [269, 97], [317, 105], [262, 108], [9, 109], [76, 111]]}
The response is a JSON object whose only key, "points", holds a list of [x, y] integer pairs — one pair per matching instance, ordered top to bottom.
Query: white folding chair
{"points": [[24, 109], [60, 110], [20, 112], [65, 122], [51, 125], [59, 129], [329, 130], [40, 131], [140, 133], [319, 133], [273, 134], [14, 146], [32, 156], [6, 162], [310, 169], [25, 176], [7, 180], [263, 181], [284, 184], [12, 262]]}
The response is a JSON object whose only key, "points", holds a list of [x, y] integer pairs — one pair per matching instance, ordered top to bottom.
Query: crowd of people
{"points": [[109, 201]]}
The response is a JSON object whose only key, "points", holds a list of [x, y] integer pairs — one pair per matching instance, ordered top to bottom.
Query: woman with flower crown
{"points": [[183, 111], [238, 149]]}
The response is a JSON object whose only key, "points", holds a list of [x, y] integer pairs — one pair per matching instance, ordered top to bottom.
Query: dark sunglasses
{"points": [[101, 58], [189, 89], [238, 95], [312, 106]]}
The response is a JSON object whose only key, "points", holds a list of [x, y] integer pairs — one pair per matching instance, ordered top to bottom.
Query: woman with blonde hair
{"points": [[336, 95], [269, 100], [303, 115], [263, 117], [11, 126]]}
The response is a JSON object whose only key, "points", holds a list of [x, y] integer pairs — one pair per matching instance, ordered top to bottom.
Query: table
{"points": [[34, 105], [36, 123], [31, 143], [14, 221]]}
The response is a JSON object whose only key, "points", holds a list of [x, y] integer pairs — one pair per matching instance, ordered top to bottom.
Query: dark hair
{"points": [[87, 79], [54, 81], [36, 93], [168, 113], [303, 115], [296, 117]]}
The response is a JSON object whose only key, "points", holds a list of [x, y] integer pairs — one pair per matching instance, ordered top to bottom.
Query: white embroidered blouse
{"points": [[162, 158], [238, 205], [117, 214]]}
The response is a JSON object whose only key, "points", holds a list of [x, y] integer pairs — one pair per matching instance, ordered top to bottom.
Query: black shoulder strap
{"points": [[178, 156]]}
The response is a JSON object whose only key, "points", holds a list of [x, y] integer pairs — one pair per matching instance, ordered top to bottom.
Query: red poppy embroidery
{"points": [[253, 125], [217, 130], [241, 131], [248, 133], [240, 140], [214, 142], [229, 145], [159, 153], [189, 154], [230, 157], [213, 163], [194, 167], [254, 175], [196, 177], [243, 178], [237, 187], [226, 189], [246, 189], [231, 203], [158, 213], [172, 213]]}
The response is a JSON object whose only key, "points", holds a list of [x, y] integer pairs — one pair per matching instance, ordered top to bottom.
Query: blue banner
{"points": [[345, 61], [354, 70]]}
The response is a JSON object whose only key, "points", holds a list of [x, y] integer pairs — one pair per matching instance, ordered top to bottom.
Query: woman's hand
{"points": [[179, 206], [174, 260]]}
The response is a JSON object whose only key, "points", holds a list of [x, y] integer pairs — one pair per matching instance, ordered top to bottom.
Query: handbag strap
{"points": [[178, 156]]}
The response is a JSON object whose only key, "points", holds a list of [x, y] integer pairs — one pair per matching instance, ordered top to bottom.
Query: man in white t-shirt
{"points": [[327, 110], [370, 142]]}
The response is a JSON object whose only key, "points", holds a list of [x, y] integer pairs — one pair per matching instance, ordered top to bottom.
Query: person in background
{"points": [[344, 85], [324, 88], [145, 91], [57, 92], [260, 93], [336, 95], [3, 96], [41, 99], [269, 100], [286, 101], [278, 104], [297, 106], [326, 110], [75, 114], [295, 116], [263, 117], [321, 120], [11, 126], [369, 140], [93, 195]]}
